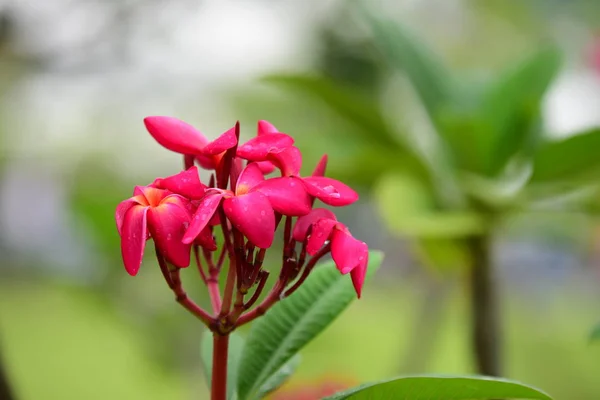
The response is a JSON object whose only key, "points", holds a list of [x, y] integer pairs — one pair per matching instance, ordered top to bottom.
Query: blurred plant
{"points": [[474, 153]]}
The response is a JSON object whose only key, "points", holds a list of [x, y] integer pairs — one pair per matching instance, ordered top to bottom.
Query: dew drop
{"points": [[292, 183], [245, 208], [263, 213], [320, 234], [169, 236], [361, 258]]}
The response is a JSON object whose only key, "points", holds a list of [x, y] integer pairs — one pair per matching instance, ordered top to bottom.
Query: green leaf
{"points": [[404, 51], [346, 102], [511, 108], [567, 159], [408, 209], [292, 323], [236, 346], [279, 377], [443, 388]]}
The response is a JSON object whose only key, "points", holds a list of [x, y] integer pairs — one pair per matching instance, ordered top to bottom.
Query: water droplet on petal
{"points": [[292, 183], [263, 213], [320, 234], [169, 236]]}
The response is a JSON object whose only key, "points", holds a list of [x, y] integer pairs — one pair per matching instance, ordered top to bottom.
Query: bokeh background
{"points": [[78, 76]]}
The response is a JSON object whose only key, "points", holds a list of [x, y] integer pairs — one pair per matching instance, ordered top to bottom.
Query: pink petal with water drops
{"points": [[265, 128], [176, 135], [226, 141], [259, 147], [288, 160], [321, 166], [249, 178], [186, 183], [330, 191], [287, 195], [123, 207], [205, 211], [253, 215], [306, 221], [167, 224], [321, 232], [133, 238], [346, 251], [359, 273]]}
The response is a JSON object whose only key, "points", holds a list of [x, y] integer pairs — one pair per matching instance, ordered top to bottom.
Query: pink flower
{"points": [[181, 137], [278, 149], [251, 207], [155, 213], [349, 254]]}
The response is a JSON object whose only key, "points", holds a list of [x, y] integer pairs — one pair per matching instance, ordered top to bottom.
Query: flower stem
{"points": [[219, 367]]}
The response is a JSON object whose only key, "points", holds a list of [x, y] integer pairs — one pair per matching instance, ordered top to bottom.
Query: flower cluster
{"points": [[181, 215]]}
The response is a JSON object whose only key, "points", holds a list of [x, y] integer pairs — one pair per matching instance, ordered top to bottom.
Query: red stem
{"points": [[199, 264], [309, 266], [215, 295], [219, 369]]}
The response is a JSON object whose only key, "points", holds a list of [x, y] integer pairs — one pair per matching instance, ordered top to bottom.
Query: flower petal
{"points": [[265, 127], [176, 135], [226, 141], [259, 147], [288, 160], [266, 166], [321, 166], [249, 178], [186, 183], [330, 191], [152, 195], [287, 195], [124, 206], [206, 209], [253, 215], [306, 221], [167, 224], [321, 232], [133, 238], [206, 240], [346, 251], [359, 273]]}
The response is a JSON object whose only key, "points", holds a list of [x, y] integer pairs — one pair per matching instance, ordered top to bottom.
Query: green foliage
{"points": [[427, 75], [511, 108], [565, 159], [291, 324], [236, 345], [279, 377], [443, 388]]}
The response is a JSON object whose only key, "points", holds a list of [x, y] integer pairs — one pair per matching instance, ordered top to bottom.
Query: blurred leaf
{"points": [[404, 51], [348, 103], [511, 107], [567, 159], [503, 191], [407, 208], [443, 254], [292, 323], [595, 333], [236, 346], [280, 377], [443, 388]]}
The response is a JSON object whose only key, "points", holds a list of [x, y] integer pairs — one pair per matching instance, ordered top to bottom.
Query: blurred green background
{"points": [[398, 93]]}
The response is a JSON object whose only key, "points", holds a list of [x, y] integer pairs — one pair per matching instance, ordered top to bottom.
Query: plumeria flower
{"points": [[183, 138], [278, 149], [252, 205], [155, 213], [349, 254]]}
